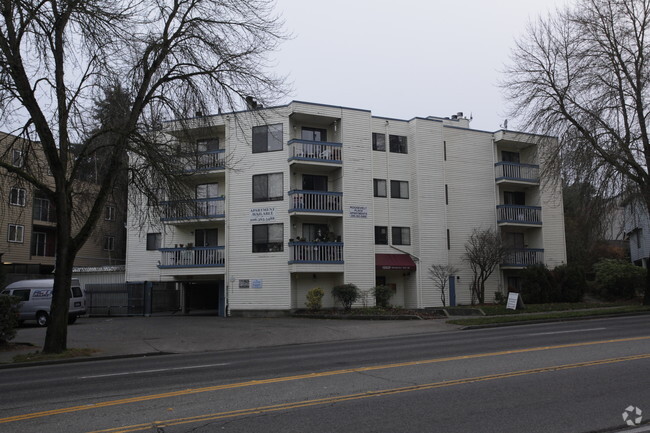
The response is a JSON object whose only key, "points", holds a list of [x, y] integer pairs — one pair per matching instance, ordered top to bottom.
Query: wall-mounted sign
{"points": [[358, 211], [262, 214], [244, 284], [256, 284]]}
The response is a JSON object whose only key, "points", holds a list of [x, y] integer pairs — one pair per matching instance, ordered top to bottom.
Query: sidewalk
{"points": [[124, 336]]}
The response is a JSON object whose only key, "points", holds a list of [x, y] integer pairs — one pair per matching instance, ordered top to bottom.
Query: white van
{"points": [[36, 297]]}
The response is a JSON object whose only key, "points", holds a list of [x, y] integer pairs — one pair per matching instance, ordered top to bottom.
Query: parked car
{"points": [[36, 296]]}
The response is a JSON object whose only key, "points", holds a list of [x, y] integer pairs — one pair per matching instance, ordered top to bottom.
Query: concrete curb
{"points": [[559, 319], [80, 359]]}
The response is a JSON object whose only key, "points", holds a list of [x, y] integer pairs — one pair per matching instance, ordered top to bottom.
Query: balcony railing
{"points": [[320, 151], [203, 161], [516, 171], [316, 201], [193, 209], [519, 214], [316, 252], [195, 257], [523, 257]]}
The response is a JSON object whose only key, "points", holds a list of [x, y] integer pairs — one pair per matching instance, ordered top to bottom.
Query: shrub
{"points": [[617, 279], [571, 281], [537, 285], [346, 294], [382, 295], [315, 299], [8, 318]]}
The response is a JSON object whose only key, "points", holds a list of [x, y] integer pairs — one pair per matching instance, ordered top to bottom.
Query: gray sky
{"points": [[405, 58]]}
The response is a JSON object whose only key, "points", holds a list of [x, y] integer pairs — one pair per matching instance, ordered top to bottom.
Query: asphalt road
{"points": [[560, 377]]}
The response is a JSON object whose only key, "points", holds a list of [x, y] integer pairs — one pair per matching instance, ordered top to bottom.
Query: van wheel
{"points": [[42, 318], [71, 319]]}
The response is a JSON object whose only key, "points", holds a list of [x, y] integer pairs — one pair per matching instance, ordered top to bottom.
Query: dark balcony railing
{"points": [[315, 151], [202, 161], [517, 171], [315, 201], [193, 209], [507, 213], [316, 252], [192, 257], [524, 257]]}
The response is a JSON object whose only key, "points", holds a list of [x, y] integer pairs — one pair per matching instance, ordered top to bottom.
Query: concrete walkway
{"points": [[182, 334]]}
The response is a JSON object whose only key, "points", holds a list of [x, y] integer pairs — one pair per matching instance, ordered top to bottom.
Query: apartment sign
{"points": [[358, 211], [262, 214]]}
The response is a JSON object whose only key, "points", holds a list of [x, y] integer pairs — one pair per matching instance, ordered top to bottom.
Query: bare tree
{"points": [[172, 57], [582, 74], [484, 251], [440, 275]]}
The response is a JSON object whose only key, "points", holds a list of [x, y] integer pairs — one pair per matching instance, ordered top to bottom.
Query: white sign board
{"points": [[358, 211], [262, 214], [256, 284], [513, 301]]}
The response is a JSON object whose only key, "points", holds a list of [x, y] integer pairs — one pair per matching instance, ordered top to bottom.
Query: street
{"points": [[575, 376]]}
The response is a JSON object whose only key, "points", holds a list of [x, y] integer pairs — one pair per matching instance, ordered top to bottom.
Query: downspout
{"points": [[227, 279]]}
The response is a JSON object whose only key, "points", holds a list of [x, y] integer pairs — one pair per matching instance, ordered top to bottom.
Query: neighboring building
{"points": [[308, 195], [637, 228], [28, 229]]}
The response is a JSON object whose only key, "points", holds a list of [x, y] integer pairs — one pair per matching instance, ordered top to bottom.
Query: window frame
{"points": [[265, 133], [207, 143], [398, 143], [379, 147], [17, 157], [376, 188], [396, 192], [20, 196], [268, 196], [109, 212], [15, 228], [398, 234], [381, 238], [154, 239], [109, 243], [267, 246]]}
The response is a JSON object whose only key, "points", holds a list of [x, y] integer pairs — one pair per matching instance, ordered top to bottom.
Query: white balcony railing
{"points": [[315, 151], [202, 161], [517, 171], [316, 201], [193, 209], [519, 214], [316, 252], [192, 257], [524, 257]]}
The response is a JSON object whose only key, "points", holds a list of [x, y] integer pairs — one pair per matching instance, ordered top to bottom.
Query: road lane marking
{"points": [[567, 332], [127, 373], [192, 391], [358, 396]]}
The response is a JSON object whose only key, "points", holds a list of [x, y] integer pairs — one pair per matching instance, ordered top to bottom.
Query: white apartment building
{"points": [[309, 195]]}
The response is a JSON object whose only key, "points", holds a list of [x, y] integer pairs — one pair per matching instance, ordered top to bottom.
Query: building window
{"points": [[313, 134], [267, 138], [378, 142], [397, 144], [207, 145], [444, 150], [17, 158], [314, 182], [268, 187], [379, 187], [399, 189], [446, 194], [17, 196], [517, 198], [43, 209], [109, 213], [16, 233], [381, 235], [401, 235], [206, 237], [268, 238], [638, 238], [448, 240], [154, 241], [109, 243], [43, 244]]}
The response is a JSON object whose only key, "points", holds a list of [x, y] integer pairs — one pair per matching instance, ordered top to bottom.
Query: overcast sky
{"points": [[405, 58]]}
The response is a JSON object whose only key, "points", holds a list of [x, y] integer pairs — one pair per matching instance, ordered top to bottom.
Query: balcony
{"points": [[315, 152], [205, 161], [512, 172], [316, 201], [190, 210], [519, 215], [316, 252], [194, 257], [522, 257]]}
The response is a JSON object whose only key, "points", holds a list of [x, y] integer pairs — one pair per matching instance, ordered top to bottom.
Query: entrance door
{"points": [[313, 182], [206, 237], [452, 291]]}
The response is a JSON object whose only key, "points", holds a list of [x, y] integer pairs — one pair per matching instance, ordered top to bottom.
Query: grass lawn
{"points": [[38, 356]]}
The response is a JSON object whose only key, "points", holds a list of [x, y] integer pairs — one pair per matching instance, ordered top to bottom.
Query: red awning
{"points": [[394, 262]]}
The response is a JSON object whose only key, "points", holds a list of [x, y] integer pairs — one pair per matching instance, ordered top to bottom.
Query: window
{"points": [[313, 134], [267, 138], [378, 142], [397, 144], [207, 145], [444, 150], [507, 156], [17, 158], [314, 182], [268, 187], [379, 187], [399, 189], [446, 194], [17, 196], [514, 198], [42, 209], [109, 213], [314, 232], [16, 233], [381, 235], [401, 235], [206, 237], [268, 238], [638, 238], [448, 240], [154, 241], [109, 243], [22, 294]]}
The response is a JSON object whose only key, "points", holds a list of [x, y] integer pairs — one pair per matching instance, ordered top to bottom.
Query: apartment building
{"points": [[307, 195], [28, 229]]}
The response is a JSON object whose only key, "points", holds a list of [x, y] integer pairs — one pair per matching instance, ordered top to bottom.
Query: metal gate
{"points": [[128, 299]]}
